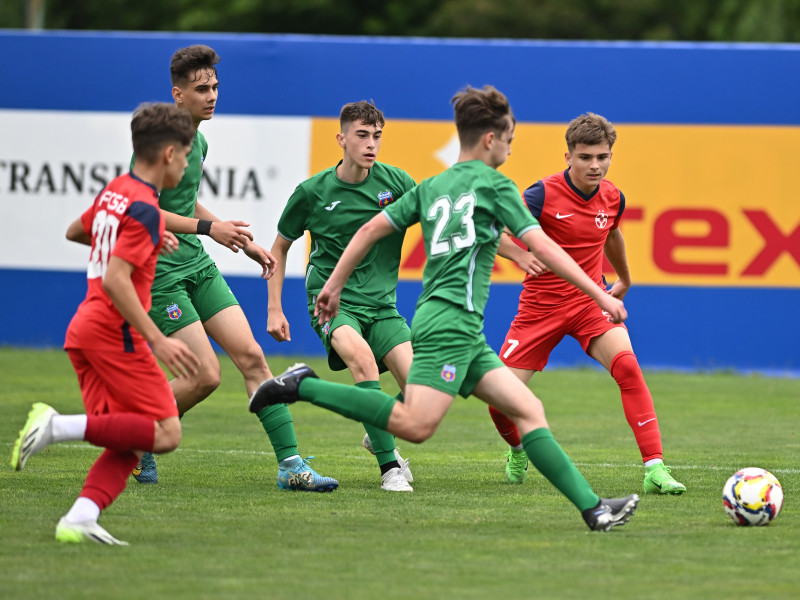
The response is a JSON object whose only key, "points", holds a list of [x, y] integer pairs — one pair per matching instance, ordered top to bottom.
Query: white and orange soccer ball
{"points": [[752, 496]]}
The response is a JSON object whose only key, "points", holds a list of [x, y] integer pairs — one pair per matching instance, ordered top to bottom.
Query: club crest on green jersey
{"points": [[385, 198], [174, 312], [448, 373]]}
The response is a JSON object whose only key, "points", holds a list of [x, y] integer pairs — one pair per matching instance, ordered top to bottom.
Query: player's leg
{"points": [[179, 313], [175, 315], [230, 329], [390, 339], [530, 340], [347, 343], [613, 350], [432, 381], [192, 389], [188, 390], [503, 390], [129, 409], [412, 420], [516, 458]]}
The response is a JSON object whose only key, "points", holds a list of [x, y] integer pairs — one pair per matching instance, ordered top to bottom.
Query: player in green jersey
{"points": [[462, 212], [192, 301], [368, 336]]}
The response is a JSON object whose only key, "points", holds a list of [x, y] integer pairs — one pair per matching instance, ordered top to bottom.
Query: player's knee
{"points": [[252, 364], [624, 365], [363, 368], [206, 382], [421, 432], [168, 436]]}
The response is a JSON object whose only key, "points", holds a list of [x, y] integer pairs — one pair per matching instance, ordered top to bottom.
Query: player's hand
{"points": [[231, 234], [170, 244], [263, 257], [531, 265], [619, 289], [327, 305], [613, 307], [278, 326], [177, 357]]}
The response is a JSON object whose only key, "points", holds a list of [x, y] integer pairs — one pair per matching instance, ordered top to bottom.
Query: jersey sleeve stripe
{"points": [[149, 216]]}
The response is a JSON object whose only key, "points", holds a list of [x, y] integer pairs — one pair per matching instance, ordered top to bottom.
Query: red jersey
{"points": [[124, 221], [579, 224]]}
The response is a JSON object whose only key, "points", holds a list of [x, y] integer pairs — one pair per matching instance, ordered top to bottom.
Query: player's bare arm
{"points": [[376, 228], [75, 233], [231, 234], [614, 250], [262, 256], [525, 260], [565, 267], [277, 323], [172, 352]]}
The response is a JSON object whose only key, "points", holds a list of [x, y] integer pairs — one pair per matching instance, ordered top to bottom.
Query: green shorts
{"points": [[195, 298], [382, 329], [450, 349]]}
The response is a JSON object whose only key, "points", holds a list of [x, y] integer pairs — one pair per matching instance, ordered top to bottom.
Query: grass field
{"points": [[216, 526]]}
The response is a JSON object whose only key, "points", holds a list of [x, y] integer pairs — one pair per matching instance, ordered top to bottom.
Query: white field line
{"points": [[365, 456]]}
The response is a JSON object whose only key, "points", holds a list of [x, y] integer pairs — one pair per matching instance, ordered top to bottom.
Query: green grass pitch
{"points": [[216, 526]]}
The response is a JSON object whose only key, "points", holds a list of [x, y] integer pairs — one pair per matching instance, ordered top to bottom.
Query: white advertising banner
{"points": [[53, 164]]}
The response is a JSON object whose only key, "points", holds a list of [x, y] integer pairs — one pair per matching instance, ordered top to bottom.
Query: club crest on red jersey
{"points": [[385, 198], [601, 220], [174, 312], [448, 372]]}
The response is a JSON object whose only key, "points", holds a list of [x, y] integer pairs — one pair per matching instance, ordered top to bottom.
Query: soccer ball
{"points": [[752, 496]]}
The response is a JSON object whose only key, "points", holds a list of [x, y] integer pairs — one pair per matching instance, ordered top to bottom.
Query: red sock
{"points": [[637, 404], [505, 427], [121, 431], [108, 477]]}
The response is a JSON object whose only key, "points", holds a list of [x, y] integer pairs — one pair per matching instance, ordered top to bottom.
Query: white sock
{"points": [[69, 428], [517, 448], [290, 461], [652, 461], [83, 510]]}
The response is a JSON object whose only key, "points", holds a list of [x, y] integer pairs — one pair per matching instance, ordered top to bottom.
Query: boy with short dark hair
{"points": [[191, 299], [368, 336], [129, 404]]}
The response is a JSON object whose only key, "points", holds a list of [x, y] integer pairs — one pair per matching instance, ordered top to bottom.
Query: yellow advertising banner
{"points": [[705, 205]]}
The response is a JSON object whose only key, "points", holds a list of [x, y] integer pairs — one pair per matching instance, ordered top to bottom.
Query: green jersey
{"points": [[332, 210], [462, 212], [190, 256]]}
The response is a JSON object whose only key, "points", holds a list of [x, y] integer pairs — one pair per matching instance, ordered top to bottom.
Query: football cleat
{"points": [[283, 389], [36, 434], [516, 466], [404, 468], [145, 471], [301, 477], [657, 479], [395, 481], [610, 512], [76, 533]]}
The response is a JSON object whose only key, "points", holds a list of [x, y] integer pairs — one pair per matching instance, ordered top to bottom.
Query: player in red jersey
{"points": [[581, 211], [129, 405]]}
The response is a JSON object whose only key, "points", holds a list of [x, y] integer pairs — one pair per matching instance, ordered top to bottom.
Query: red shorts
{"points": [[534, 333], [117, 382]]}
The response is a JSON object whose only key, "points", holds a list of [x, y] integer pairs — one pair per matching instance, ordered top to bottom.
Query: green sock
{"points": [[366, 406], [277, 422], [382, 441], [552, 462]]}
